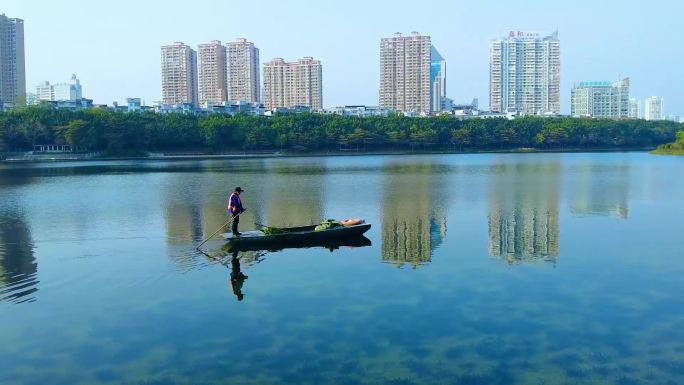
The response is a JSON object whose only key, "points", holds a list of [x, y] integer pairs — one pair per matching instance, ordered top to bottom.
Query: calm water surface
{"points": [[483, 269]]}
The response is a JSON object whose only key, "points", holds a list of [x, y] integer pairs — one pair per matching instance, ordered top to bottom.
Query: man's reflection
{"points": [[237, 278]]}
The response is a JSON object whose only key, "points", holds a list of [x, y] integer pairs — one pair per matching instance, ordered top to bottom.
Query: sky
{"points": [[114, 47]]}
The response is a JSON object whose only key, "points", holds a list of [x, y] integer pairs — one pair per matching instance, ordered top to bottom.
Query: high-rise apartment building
{"points": [[12, 62], [405, 69], [243, 71], [212, 73], [179, 74], [524, 74], [437, 80], [293, 84], [69, 91], [601, 99], [654, 108], [634, 109]]}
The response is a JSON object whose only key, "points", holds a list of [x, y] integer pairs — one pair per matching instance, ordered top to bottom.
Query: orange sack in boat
{"points": [[352, 222]]}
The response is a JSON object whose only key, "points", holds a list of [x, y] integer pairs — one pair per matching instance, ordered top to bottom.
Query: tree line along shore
{"points": [[118, 133], [676, 148]]}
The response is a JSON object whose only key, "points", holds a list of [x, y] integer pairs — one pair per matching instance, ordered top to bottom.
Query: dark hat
{"points": [[239, 189]]}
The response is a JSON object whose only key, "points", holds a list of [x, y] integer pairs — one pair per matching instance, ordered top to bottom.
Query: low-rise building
{"points": [[68, 91], [31, 99], [607, 100], [134, 104], [447, 104], [73, 105], [227, 107], [236, 107], [182, 108], [298, 109], [471, 109], [361, 111], [510, 115]]}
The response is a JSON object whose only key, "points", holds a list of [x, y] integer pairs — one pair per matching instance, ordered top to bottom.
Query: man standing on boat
{"points": [[235, 209]]}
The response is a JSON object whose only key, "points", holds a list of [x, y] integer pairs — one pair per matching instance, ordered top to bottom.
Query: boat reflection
{"points": [[332, 244], [234, 256]]}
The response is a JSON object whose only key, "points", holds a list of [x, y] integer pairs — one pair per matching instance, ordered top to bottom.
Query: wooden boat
{"points": [[296, 234]]}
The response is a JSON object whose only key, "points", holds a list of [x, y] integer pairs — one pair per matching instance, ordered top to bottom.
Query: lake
{"points": [[483, 269]]}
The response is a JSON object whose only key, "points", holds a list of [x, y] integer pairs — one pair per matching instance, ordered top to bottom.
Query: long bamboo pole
{"points": [[217, 231]]}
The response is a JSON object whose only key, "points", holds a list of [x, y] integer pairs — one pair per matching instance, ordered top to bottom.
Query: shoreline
{"points": [[278, 154]]}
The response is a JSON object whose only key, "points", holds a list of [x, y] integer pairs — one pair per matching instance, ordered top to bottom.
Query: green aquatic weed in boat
{"points": [[328, 224], [273, 231]]}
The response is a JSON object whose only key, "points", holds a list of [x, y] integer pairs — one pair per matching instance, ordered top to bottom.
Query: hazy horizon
{"points": [[115, 50]]}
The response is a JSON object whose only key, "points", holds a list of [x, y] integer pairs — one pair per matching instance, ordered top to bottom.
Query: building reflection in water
{"points": [[601, 190], [276, 194], [293, 194], [523, 212], [183, 213], [413, 214], [188, 216], [18, 266]]}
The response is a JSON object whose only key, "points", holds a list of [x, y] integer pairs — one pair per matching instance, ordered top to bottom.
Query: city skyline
{"points": [[463, 40]]}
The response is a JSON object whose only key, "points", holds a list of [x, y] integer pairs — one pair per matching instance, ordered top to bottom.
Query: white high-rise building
{"points": [[12, 62], [243, 71], [212, 73], [405, 73], [179, 74], [524, 74], [293, 84], [68, 91], [601, 99], [634, 108], [654, 108]]}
